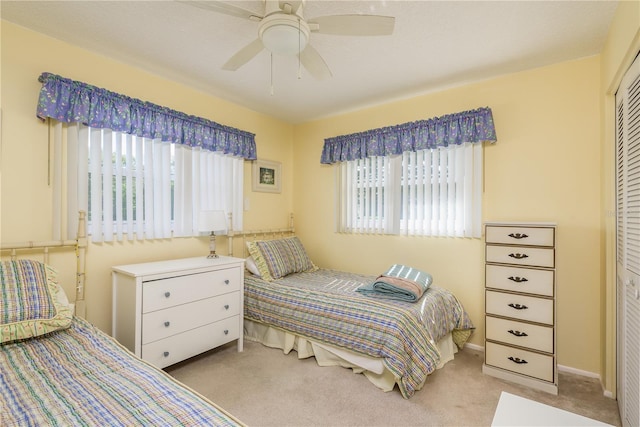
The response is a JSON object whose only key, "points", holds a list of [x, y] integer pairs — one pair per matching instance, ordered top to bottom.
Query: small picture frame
{"points": [[267, 176]]}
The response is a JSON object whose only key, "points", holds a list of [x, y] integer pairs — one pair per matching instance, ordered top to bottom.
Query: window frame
{"points": [[396, 185]]}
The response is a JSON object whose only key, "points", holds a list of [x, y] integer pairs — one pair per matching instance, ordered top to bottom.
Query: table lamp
{"points": [[212, 221]]}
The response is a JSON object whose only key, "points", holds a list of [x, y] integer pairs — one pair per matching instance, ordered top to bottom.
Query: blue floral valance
{"points": [[71, 101], [454, 129]]}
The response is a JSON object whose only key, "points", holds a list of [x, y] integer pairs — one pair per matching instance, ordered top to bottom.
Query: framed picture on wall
{"points": [[267, 176]]}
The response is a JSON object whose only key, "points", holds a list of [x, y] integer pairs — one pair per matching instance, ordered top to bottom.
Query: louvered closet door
{"points": [[628, 244]]}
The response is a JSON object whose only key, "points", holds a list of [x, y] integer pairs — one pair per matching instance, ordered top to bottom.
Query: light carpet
{"points": [[264, 387]]}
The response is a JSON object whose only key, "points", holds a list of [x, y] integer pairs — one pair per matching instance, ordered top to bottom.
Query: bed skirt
{"points": [[371, 367]]}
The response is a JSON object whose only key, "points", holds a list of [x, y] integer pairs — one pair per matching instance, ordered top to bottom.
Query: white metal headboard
{"points": [[265, 234], [80, 247]]}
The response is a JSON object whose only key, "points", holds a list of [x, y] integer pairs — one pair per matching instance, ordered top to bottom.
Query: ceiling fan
{"points": [[283, 30]]}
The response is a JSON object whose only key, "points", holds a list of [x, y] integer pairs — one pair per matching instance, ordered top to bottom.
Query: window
{"points": [[420, 178], [364, 185], [150, 186], [138, 187], [426, 193]]}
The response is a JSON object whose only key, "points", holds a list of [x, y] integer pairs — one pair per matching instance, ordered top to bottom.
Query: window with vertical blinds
{"points": [[139, 169], [421, 178], [365, 186], [136, 187], [433, 192]]}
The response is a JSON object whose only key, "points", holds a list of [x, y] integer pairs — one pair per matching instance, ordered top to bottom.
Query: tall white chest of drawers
{"points": [[520, 304], [168, 311]]}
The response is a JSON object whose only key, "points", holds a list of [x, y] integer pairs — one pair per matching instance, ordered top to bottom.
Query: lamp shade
{"points": [[212, 221]]}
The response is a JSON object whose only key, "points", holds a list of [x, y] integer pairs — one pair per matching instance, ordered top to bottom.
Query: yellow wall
{"points": [[544, 167], [26, 196]]}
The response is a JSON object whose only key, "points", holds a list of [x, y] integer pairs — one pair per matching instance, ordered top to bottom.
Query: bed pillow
{"points": [[278, 258], [251, 266], [31, 303]]}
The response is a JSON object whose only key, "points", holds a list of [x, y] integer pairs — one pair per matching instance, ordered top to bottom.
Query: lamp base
{"points": [[212, 246]]}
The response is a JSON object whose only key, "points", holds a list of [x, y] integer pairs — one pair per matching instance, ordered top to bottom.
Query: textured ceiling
{"points": [[435, 44]]}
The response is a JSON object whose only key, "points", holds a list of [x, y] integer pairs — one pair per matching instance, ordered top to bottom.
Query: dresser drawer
{"points": [[523, 236], [521, 255], [520, 279], [164, 293], [520, 307], [174, 320], [522, 334], [175, 348], [520, 361]]}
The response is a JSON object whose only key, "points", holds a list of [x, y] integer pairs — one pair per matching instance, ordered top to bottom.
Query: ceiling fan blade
{"points": [[225, 8], [354, 25], [244, 55], [314, 63]]}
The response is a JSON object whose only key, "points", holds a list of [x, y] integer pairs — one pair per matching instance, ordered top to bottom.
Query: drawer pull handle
{"points": [[518, 236], [519, 256], [518, 279], [226, 282], [167, 294], [226, 306], [518, 306], [166, 324], [226, 332], [518, 333], [165, 354], [517, 360]]}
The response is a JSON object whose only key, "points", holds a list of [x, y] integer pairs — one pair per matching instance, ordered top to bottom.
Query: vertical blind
{"points": [[139, 169], [419, 178], [366, 185], [138, 188], [441, 191], [424, 193]]}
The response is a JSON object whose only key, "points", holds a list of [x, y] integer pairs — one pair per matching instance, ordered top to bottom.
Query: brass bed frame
{"points": [[251, 235], [79, 245], [42, 249]]}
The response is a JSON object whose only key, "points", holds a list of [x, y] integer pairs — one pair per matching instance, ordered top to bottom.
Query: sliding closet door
{"points": [[628, 244]]}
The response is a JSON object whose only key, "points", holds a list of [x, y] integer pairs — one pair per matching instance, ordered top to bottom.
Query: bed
{"points": [[292, 304], [57, 369]]}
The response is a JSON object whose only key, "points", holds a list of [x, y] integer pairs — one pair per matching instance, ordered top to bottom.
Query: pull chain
{"points": [[299, 51], [271, 73]]}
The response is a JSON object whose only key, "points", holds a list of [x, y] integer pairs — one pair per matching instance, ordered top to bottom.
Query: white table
{"points": [[517, 411]]}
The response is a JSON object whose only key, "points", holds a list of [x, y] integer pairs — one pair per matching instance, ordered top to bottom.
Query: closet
{"points": [[628, 245]]}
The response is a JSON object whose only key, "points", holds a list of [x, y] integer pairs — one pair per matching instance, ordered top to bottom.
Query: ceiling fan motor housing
{"points": [[284, 34]]}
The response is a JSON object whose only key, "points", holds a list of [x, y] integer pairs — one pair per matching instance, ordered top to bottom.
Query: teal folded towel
{"points": [[400, 282]]}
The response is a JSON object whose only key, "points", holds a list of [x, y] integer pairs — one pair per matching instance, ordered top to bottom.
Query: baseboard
{"points": [[475, 347], [561, 368], [580, 372], [605, 392]]}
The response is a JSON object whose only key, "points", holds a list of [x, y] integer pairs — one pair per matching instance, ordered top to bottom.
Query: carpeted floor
{"points": [[264, 387]]}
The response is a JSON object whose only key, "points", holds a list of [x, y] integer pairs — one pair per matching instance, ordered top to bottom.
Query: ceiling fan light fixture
{"points": [[284, 35]]}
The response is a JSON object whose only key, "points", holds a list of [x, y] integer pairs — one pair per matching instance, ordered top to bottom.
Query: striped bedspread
{"points": [[324, 306], [82, 377]]}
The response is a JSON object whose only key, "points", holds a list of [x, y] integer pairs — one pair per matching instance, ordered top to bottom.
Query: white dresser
{"points": [[520, 292], [168, 311]]}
